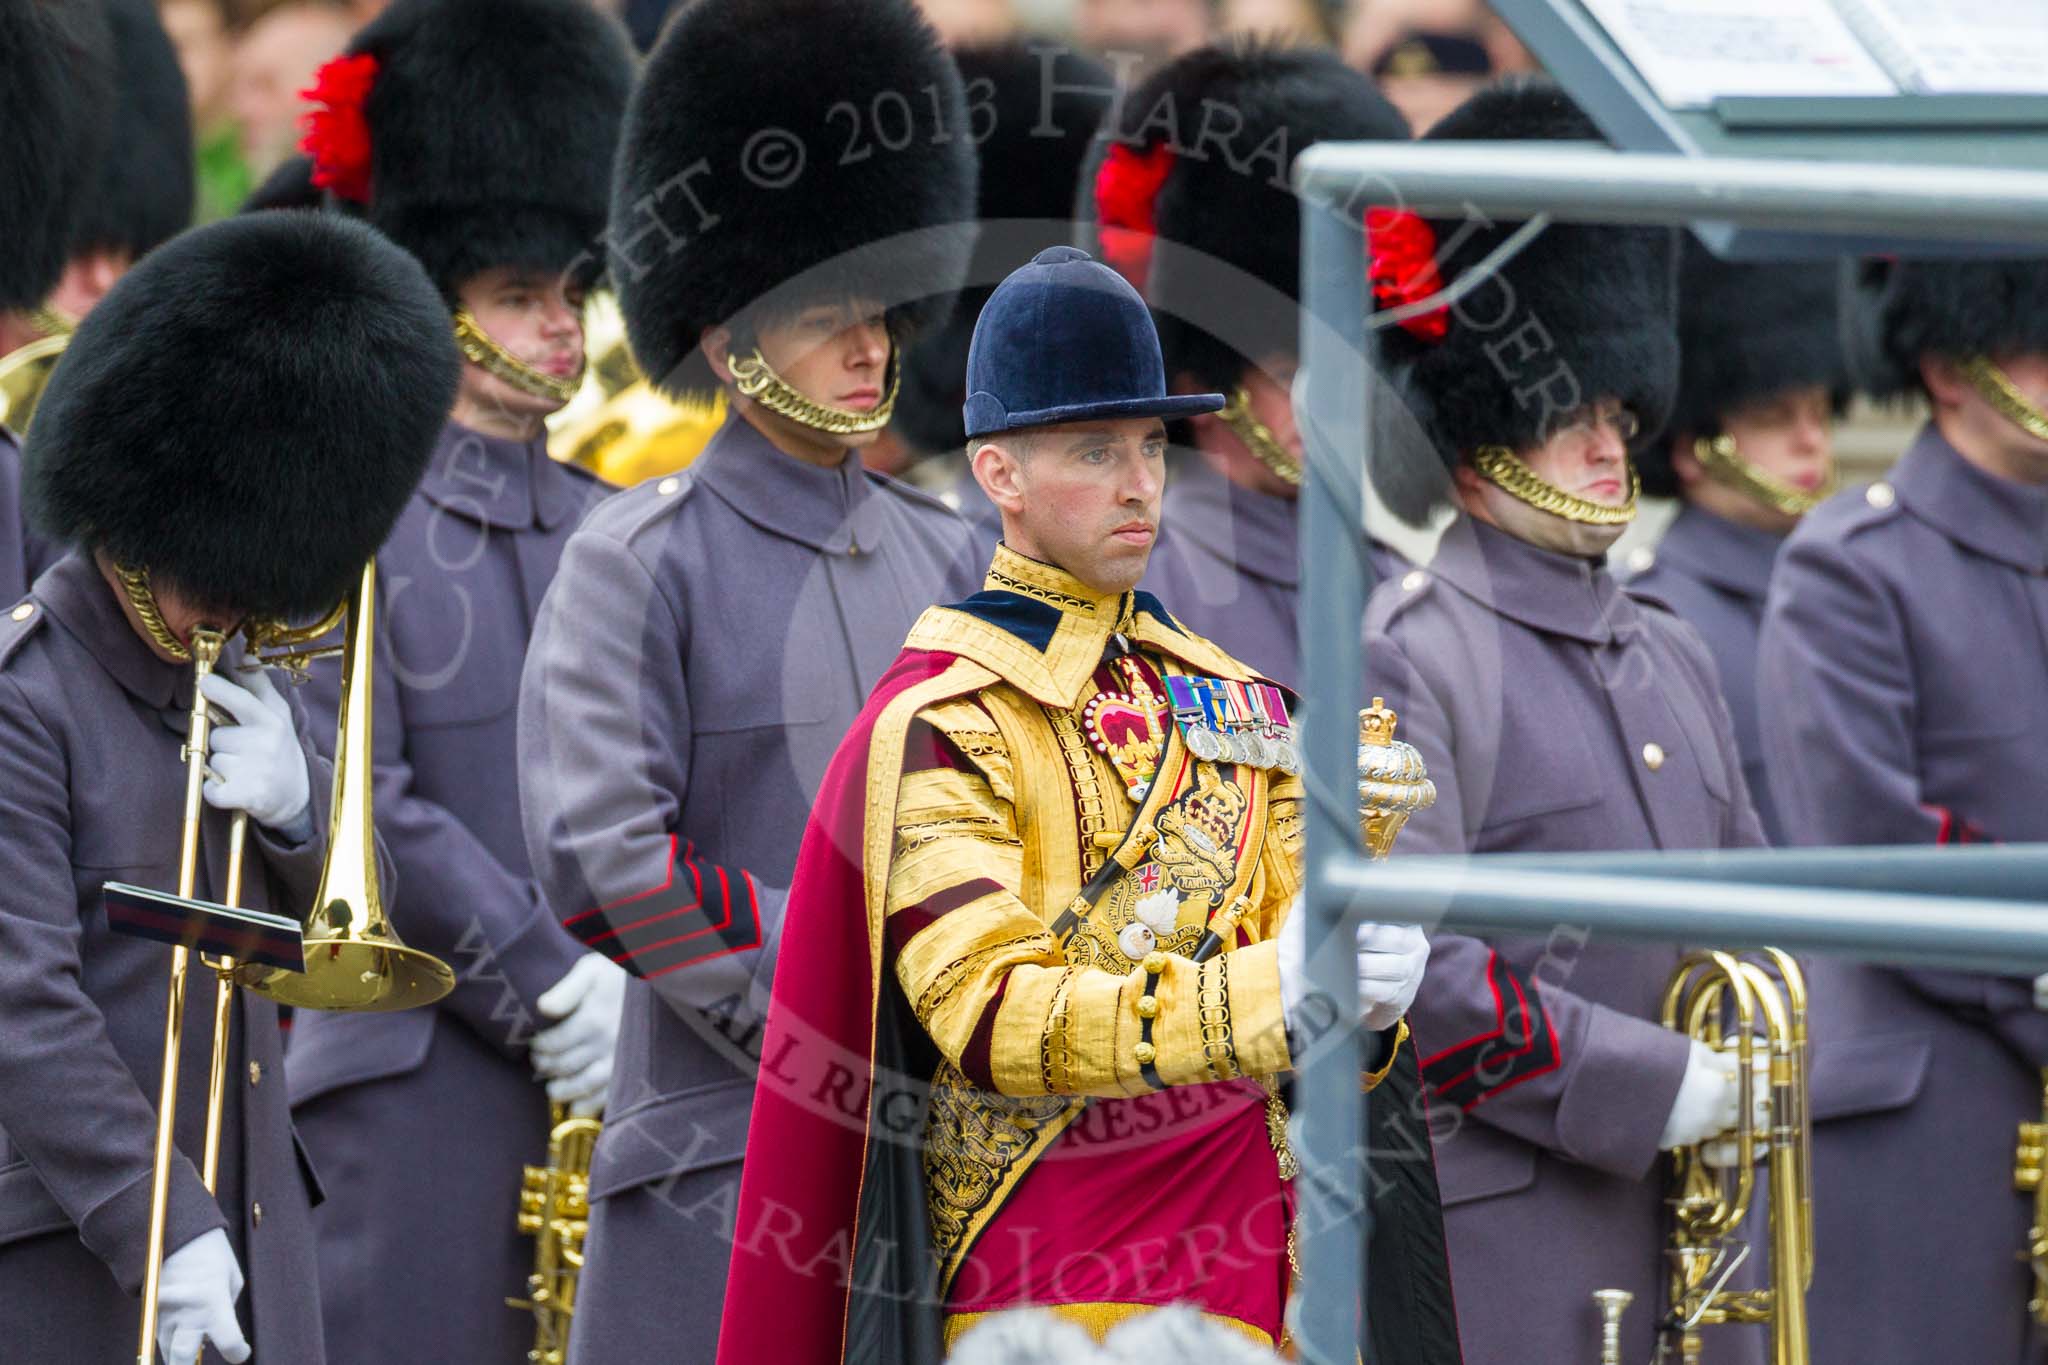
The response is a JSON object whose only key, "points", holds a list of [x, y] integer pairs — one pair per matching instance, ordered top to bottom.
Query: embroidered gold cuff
{"points": [[1370, 1081]]}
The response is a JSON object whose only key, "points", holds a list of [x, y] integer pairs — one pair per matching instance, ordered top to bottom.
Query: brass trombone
{"points": [[352, 960], [1759, 993]]}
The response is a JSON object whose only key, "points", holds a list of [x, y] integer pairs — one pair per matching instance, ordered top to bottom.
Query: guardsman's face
{"points": [[537, 315], [832, 353], [1789, 436], [1585, 455], [1084, 496]]}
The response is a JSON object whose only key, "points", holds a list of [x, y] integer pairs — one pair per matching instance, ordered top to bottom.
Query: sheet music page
{"points": [[1953, 47], [1692, 51]]}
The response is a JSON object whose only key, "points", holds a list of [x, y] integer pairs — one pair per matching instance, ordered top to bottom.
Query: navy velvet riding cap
{"points": [[1066, 339]]}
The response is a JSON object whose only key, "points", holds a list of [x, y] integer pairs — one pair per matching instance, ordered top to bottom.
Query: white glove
{"points": [[256, 763], [1391, 958], [574, 1055], [1709, 1103], [196, 1301]]}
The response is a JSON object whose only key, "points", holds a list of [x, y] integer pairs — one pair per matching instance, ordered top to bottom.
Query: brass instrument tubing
{"points": [[205, 647], [223, 1005]]}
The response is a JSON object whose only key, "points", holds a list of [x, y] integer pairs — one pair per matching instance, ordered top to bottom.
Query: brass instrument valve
{"points": [[2030, 1158]]}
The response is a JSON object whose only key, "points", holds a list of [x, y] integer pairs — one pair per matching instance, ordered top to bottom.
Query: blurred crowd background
{"points": [[246, 60]]}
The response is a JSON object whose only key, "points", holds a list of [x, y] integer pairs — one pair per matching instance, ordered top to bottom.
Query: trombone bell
{"points": [[354, 962]]}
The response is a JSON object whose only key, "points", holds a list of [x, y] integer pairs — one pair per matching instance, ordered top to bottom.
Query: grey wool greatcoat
{"points": [[24, 554], [1228, 565], [1715, 574], [709, 640], [1906, 644], [1556, 712], [92, 791], [422, 1120]]}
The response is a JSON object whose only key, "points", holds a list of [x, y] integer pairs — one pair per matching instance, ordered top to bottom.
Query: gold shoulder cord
{"points": [[479, 348], [755, 378], [1997, 389], [1258, 438], [1723, 461], [1501, 467], [135, 586]]}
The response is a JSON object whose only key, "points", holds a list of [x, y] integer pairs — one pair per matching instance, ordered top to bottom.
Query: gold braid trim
{"points": [[480, 348], [755, 378], [1997, 389], [1258, 438], [1723, 461], [1503, 469], [135, 586], [1065, 600], [1087, 788], [955, 974], [1212, 999], [1055, 1046]]}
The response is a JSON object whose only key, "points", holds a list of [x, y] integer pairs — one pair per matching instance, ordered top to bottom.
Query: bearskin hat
{"points": [[54, 104], [1035, 108], [491, 126], [781, 151], [291, 186], [1191, 188], [143, 193], [1599, 305], [1896, 311], [1745, 332], [247, 411]]}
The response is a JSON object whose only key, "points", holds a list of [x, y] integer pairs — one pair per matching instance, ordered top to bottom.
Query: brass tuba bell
{"points": [[354, 962]]}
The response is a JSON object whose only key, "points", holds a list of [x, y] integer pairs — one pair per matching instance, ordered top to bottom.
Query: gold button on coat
{"points": [[1880, 495], [1414, 579], [24, 611], [1653, 756], [255, 1073], [256, 1213]]}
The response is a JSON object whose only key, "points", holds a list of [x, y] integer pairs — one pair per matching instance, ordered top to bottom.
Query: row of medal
{"points": [[1233, 722]]}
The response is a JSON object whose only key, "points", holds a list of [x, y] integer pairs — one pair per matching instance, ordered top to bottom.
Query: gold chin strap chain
{"points": [[50, 322], [479, 348], [755, 378], [1997, 389], [1237, 415], [1724, 463], [1501, 467], [135, 585]]}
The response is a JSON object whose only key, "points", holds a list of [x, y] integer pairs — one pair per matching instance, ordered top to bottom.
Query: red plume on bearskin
{"points": [[338, 136], [1126, 205], [1401, 263]]}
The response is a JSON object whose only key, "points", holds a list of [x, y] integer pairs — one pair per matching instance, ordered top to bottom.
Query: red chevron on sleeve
{"points": [[1953, 829], [698, 912], [1517, 1048]]}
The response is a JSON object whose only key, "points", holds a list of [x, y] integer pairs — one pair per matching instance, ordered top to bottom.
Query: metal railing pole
{"points": [[1335, 577], [2011, 872], [1481, 897]]}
